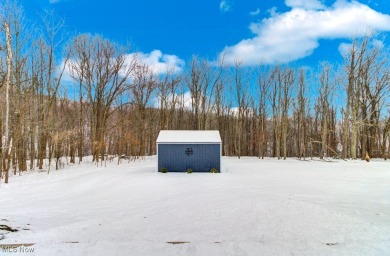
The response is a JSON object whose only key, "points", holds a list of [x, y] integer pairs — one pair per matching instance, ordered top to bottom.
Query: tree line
{"points": [[64, 98]]}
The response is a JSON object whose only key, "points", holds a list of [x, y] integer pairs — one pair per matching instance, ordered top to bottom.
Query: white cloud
{"points": [[305, 4], [225, 6], [273, 11], [254, 13], [285, 37], [378, 44], [345, 48], [159, 62], [179, 100]]}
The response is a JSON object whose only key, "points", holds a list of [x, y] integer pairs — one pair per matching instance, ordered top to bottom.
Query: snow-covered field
{"points": [[254, 207]]}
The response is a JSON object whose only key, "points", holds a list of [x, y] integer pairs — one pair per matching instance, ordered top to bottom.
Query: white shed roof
{"points": [[183, 136]]}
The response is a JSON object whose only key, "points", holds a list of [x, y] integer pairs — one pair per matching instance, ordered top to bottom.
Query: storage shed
{"points": [[181, 150]]}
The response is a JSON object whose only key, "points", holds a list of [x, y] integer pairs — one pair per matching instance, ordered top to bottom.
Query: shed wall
{"points": [[180, 157]]}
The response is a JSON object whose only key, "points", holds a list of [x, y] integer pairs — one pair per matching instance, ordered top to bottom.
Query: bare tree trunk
{"points": [[324, 109], [7, 139]]}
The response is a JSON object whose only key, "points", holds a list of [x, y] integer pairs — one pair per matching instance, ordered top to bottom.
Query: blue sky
{"points": [[253, 31]]}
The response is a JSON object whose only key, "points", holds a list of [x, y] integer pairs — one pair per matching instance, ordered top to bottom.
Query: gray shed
{"points": [[181, 150]]}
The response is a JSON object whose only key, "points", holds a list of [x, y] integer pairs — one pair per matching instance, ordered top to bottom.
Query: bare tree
{"points": [[104, 70], [201, 81], [288, 81], [263, 82], [368, 82], [144, 84], [239, 85], [168, 98], [275, 99], [351, 104], [324, 107], [301, 110], [7, 144]]}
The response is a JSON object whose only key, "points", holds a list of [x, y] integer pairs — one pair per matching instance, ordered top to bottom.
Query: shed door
{"points": [[180, 157]]}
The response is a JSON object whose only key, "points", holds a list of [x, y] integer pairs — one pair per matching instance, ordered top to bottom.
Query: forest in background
{"points": [[67, 97]]}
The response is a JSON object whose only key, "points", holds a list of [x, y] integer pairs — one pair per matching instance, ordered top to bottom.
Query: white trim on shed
{"points": [[186, 136]]}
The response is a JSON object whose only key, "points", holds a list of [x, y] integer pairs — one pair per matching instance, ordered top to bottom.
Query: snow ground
{"points": [[254, 207]]}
